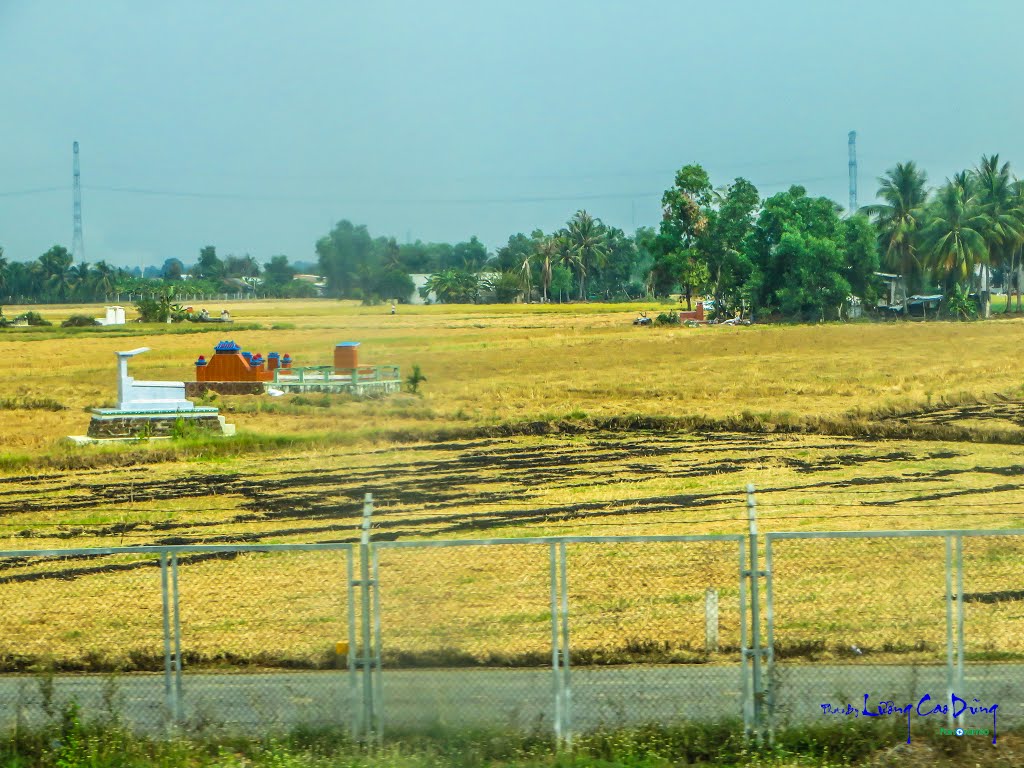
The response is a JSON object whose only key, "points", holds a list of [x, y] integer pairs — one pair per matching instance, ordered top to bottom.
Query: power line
{"points": [[35, 191], [495, 200]]}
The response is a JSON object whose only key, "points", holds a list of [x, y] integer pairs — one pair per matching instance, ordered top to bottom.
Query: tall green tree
{"points": [[899, 218], [684, 219], [730, 219], [1004, 226], [585, 237], [954, 237], [798, 248], [547, 255], [344, 257], [209, 265], [55, 271], [278, 271], [1015, 275], [453, 286]]}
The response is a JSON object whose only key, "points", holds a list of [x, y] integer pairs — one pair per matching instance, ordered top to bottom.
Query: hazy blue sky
{"points": [[255, 126]]}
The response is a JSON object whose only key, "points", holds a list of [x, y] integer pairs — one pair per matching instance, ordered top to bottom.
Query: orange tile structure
{"points": [[697, 314], [346, 356], [230, 363]]}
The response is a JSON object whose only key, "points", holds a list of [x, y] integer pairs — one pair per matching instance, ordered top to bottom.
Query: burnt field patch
{"points": [[1002, 412], [593, 483]]}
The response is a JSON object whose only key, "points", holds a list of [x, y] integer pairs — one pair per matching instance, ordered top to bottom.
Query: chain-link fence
{"points": [[865, 618], [559, 634], [549, 635], [199, 637]]}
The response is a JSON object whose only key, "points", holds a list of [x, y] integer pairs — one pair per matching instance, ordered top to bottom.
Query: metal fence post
{"points": [[755, 610], [960, 618], [711, 620], [770, 646], [367, 652], [351, 656], [950, 666], [556, 676], [566, 687], [378, 689], [169, 697], [179, 702], [745, 705]]}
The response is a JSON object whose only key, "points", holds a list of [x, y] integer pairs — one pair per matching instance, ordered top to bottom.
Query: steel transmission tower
{"points": [[853, 172], [77, 244]]}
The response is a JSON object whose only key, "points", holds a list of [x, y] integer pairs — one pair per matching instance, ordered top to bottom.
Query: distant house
{"points": [[420, 281], [318, 282], [238, 285], [894, 292], [894, 299]]}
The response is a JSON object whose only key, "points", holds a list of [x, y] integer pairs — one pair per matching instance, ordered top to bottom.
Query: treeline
{"points": [[965, 235], [789, 255], [54, 278]]}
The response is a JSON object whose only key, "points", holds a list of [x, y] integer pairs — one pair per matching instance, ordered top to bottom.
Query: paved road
{"points": [[516, 698]]}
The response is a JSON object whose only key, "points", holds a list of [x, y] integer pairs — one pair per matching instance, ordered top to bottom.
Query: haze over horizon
{"points": [[255, 127]]}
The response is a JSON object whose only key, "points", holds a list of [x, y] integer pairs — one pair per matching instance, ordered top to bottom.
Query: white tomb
{"points": [[114, 316], [135, 395]]}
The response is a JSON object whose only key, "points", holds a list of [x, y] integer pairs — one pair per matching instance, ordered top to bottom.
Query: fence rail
{"points": [[552, 634]]}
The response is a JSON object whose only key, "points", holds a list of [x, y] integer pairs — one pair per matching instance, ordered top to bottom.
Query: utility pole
{"points": [[853, 172], [77, 244]]}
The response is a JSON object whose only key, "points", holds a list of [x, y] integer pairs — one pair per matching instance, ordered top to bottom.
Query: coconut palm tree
{"points": [[899, 218], [1005, 227], [954, 238], [586, 240], [547, 252], [567, 256], [1016, 274], [526, 276], [81, 277], [104, 278]]}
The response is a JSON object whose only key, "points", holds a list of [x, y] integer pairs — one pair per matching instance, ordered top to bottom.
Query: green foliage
{"points": [[730, 219], [899, 219], [955, 233], [584, 246], [862, 258], [806, 259], [209, 265], [358, 266], [561, 282], [393, 283], [453, 286], [507, 287], [298, 289], [960, 305], [161, 308], [32, 318], [669, 318], [79, 321], [414, 379], [185, 429], [74, 741]]}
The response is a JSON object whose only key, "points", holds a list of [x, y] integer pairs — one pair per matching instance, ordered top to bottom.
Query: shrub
{"points": [[960, 305], [32, 318], [672, 318], [78, 321], [414, 379]]}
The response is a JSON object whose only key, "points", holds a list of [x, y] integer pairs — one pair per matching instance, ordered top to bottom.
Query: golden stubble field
{"points": [[499, 363], [489, 366]]}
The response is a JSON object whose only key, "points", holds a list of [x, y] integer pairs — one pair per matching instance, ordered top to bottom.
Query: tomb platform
{"points": [[151, 409]]}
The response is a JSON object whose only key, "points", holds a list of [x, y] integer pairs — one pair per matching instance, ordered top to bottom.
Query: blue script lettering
{"points": [[924, 707]]}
